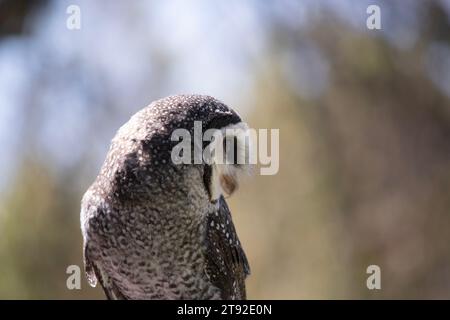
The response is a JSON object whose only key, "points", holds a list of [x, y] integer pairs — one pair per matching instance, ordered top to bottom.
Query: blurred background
{"points": [[364, 119]]}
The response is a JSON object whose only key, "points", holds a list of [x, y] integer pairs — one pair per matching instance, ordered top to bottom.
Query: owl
{"points": [[155, 228]]}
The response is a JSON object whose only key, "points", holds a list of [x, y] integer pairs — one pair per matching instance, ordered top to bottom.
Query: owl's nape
{"points": [[154, 229]]}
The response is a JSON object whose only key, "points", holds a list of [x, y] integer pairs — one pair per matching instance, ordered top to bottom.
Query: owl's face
{"points": [[145, 148], [228, 159]]}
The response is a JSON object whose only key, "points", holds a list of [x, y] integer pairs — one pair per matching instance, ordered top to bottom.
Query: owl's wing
{"points": [[91, 252], [227, 265], [95, 274]]}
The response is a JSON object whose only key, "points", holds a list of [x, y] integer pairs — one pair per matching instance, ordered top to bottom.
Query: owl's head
{"points": [[182, 142], [220, 143]]}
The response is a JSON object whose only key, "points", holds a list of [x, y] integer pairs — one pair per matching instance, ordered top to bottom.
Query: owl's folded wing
{"points": [[227, 265]]}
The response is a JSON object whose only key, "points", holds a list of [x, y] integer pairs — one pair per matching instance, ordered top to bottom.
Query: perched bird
{"points": [[155, 229]]}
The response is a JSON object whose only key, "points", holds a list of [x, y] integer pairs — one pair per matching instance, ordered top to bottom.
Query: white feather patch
{"points": [[225, 173]]}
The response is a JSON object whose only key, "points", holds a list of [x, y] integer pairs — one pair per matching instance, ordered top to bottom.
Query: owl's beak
{"points": [[229, 183]]}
